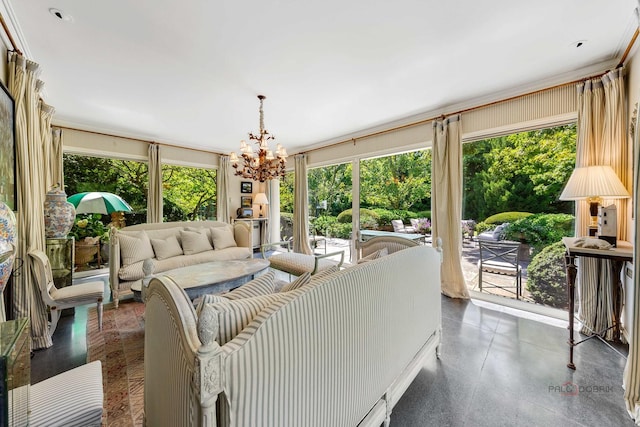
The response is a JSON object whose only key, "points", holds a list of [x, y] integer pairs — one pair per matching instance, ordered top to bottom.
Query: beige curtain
{"points": [[46, 111], [602, 140], [56, 170], [31, 177], [222, 190], [154, 198], [446, 202], [301, 207], [631, 382]]}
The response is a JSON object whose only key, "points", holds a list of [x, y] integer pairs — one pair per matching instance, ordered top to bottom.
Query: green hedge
{"points": [[345, 217], [506, 217], [540, 230], [547, 278]]}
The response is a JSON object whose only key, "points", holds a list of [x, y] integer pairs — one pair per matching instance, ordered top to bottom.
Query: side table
{"points": [[618, 255]]}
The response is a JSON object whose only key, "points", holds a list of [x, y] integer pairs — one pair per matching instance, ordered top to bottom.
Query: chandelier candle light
{"points": [[260, 166]]}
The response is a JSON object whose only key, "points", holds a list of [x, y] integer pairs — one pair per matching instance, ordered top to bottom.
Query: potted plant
{"points": [[87, 230]]}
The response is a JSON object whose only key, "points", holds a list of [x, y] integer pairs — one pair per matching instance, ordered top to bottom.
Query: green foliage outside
{"points": [[523, 172], [397, 182], [188, 193], [345, 217], [506, 217], [89, 225], [483, 226], [541, 230], [547, 280]]}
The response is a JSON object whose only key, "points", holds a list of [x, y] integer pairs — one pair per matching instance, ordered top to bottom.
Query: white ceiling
{"points": [[188, 72]]}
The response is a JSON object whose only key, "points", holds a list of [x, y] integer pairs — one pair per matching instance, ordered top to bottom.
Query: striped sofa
{"points": [[165, 244], [338, 351]]}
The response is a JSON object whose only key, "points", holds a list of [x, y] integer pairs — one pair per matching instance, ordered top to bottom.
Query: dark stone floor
{"points": [[496, 369]]}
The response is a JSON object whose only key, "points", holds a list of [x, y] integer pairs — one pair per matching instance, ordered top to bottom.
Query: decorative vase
{"points": [[58, 214], [8, 238]]}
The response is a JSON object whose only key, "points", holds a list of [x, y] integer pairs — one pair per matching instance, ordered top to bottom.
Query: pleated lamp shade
{"points": [[594, 182]]}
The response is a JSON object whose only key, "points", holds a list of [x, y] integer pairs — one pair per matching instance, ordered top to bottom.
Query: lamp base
{"points": [[593, 230]]}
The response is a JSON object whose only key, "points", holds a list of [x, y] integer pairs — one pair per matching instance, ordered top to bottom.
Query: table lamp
{"points": [[594, 183], [261, 199]]}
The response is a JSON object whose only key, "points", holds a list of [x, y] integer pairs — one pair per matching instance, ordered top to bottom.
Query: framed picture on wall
{"points": [[7, 150], [246, 187], [245, 201]]}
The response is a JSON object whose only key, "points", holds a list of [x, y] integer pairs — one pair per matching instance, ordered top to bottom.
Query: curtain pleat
{"points": [[46, 112], [601, 140], [56, 161], [31, 172], [222, 190], [154, 198], [446, 202], [301, 207], [631, 381]]}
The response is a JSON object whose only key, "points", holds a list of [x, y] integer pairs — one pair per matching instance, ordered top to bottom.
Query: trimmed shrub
{"points": [[385, 216], [345, 217], [506, 217], [483, 226], [540, 230], [547, 278]]}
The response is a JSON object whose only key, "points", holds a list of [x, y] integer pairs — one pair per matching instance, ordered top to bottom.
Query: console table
{"points": [[618, 255]]}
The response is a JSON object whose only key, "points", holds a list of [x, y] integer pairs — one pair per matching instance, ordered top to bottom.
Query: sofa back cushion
{"points": [[222, 238], [194, 242], [135, 246], [166, 248]]}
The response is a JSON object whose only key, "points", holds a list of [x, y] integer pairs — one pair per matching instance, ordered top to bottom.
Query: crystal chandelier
{"points": [[260, 166]]}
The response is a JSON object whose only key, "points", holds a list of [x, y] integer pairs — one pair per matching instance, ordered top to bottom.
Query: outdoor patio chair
{"points": [[399, 227], [500, 258]]}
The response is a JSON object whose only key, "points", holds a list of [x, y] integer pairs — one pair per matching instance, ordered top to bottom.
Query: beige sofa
{"points": [[171, 245], [339, 350]]}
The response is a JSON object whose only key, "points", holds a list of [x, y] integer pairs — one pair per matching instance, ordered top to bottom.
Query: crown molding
{"points": [[10, 18]]}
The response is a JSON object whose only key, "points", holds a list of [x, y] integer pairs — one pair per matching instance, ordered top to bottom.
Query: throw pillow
{"points": [[497, 232], [222, 238], [194, 242], [135, 246], [166, 248], [375, 255], [300, 281], [263, 285], [208, 299], [232, 317]]}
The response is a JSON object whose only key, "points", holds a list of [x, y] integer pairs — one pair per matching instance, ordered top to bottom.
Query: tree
{"points": [[519, 172], [401, 181], [333, 184], [189, 190]]}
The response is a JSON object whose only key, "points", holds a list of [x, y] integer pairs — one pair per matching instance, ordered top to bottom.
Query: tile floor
{"points": [[496, 369]]}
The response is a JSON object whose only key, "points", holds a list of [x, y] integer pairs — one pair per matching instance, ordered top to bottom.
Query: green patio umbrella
{"points": [[98, 202]]}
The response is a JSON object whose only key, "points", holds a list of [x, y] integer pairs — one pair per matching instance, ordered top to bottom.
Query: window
{"points": [[128, 179], [188, 193]]}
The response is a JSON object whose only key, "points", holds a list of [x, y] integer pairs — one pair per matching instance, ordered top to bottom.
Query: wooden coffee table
{"points": [[211, 277]]}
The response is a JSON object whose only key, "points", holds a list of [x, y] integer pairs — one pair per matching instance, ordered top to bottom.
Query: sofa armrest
{"points": [[242, 234]]}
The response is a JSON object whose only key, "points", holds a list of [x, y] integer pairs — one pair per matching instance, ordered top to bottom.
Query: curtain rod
{"points": [[6, 31], [466, 110], [139, 139]]}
